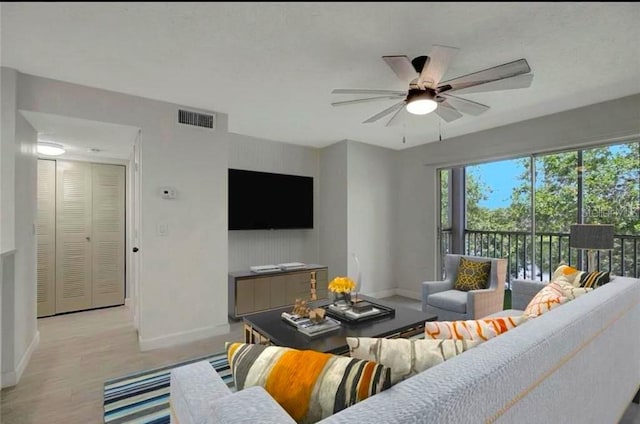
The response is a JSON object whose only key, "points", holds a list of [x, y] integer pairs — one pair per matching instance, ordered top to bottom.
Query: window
{"points": [[595, 185]]}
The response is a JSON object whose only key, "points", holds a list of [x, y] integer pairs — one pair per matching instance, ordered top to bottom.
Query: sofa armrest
{"points": [[431, 287], [522, 291], [483, 302], [192, 389], [248, 406]]}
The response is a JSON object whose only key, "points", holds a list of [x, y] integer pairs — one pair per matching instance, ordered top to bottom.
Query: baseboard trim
{"points": [[381, 293], [409, 293], [127, 301], [181, 337], [11, 378]]}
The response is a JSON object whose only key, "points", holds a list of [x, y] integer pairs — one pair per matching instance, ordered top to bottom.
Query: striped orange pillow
{"points": [[481, 329], [309, 385]]}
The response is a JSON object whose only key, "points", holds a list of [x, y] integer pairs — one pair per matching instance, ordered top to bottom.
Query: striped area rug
{"points": [[143, 397]]}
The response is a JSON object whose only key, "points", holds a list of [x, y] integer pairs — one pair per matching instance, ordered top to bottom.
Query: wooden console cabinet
{"points": [[251, 292]]}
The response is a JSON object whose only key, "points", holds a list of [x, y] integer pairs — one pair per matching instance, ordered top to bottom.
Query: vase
{"points": [[342, 300]]}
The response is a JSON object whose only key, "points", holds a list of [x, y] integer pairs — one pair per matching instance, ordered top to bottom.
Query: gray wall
{"points": [[372, 205], [333, 209], [416, 246], [261, 247]]}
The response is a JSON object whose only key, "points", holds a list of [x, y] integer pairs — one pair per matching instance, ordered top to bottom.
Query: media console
{"points": [[250, 292]]}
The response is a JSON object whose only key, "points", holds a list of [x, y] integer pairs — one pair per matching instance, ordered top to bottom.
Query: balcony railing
{"points": [[549, 250]]}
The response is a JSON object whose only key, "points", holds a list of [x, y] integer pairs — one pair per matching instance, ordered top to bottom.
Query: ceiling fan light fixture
{"points": [[421, 102], [50, 149]]}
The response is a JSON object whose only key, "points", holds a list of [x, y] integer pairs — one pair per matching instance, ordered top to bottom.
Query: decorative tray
{"points": [[348, 316], [310, 328]]}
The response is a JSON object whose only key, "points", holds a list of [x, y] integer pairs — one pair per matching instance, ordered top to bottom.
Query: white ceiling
{"points": [[272, 66], [78, 136]]}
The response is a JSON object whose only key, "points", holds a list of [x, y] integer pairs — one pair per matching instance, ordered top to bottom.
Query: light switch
{"points": [[168, 192], [163, 229]]}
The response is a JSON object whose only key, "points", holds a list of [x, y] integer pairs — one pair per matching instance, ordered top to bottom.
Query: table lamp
{"points": [[591, 237]]}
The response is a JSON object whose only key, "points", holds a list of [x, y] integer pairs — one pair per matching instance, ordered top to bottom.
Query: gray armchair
{"points": [[440, 298]]}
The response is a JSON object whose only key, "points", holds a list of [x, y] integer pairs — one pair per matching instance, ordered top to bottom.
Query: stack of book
{"points": [[311, 328]]}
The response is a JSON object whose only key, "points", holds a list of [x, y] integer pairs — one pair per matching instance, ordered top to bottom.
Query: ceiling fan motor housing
{"points": [[419, 62], [415, 93]]}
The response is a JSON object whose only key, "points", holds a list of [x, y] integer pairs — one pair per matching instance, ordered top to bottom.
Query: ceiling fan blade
{"points": [[436, 66], [402, 67], [499, 72], [519, 81], [364, 91], [370, 99], [465, 105], [384, 112], [447, 112], [396, 117]]}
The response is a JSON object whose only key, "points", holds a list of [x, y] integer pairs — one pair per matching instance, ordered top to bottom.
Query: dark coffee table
{"points": [[269, 328]]}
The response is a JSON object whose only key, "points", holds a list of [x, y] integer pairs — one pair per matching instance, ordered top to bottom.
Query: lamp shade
{"points": [[591, 236]]}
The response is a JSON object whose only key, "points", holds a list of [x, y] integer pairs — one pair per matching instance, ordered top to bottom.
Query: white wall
{"points": [[8, 79], [333, 209], [18, 213], [371, 214], [416, 244], [261, 247], [25, 292], [182, 293]]}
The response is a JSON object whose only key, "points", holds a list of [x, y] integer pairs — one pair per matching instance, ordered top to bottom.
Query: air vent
{"points": [[196, 119]]}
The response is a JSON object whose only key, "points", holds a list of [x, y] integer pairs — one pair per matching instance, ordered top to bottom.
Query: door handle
{"points": [[135, 250]]}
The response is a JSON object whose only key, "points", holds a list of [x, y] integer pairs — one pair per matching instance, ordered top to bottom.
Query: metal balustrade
{"points": [[549, 249]]}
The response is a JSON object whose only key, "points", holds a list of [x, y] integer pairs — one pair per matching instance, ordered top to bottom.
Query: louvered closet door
{"points": [[108, 235], [73, 236], [46, 237]]}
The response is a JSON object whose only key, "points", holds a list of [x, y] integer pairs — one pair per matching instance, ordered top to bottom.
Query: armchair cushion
{"points": [[472, 275], [451, 300]]}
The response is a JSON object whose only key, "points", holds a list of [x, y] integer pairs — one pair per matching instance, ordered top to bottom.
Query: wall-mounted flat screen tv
{"points": [[265, 201]]}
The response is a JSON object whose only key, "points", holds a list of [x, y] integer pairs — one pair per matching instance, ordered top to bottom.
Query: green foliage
{"points": [[610, 176], [611, 187]]}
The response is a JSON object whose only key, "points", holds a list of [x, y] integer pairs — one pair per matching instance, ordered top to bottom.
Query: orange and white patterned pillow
{"points": [[567, 274], [571, 292], [551, 296], [481, 329]]}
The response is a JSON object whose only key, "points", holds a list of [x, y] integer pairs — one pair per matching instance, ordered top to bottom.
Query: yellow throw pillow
{"points": [[472, 275], [551, 296], [481, 329], [406, 357], [309, 385]]}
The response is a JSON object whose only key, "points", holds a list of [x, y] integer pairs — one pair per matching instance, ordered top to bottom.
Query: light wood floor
{"points": [[63, 383]]}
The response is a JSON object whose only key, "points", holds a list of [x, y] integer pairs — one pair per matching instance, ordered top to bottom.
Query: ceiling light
{"points": [[420, 102], [50, 149]]}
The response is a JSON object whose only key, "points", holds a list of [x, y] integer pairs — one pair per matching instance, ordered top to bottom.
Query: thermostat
{"points": [[168, 192]]}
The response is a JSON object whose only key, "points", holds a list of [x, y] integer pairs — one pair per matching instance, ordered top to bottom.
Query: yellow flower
{"points": [[342, 285]]}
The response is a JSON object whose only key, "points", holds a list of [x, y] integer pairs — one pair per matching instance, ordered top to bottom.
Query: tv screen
{"points": [[262, 200]]}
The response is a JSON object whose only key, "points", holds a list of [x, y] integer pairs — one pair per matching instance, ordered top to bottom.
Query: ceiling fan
{"points": [[427, 93]]}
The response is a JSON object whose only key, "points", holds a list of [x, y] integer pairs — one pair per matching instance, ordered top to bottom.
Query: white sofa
{"points": [[579, 363]]}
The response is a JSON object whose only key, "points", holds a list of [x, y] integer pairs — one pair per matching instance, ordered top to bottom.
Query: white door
{"points": [[107, 235], [73, 236], [46, 237]]}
